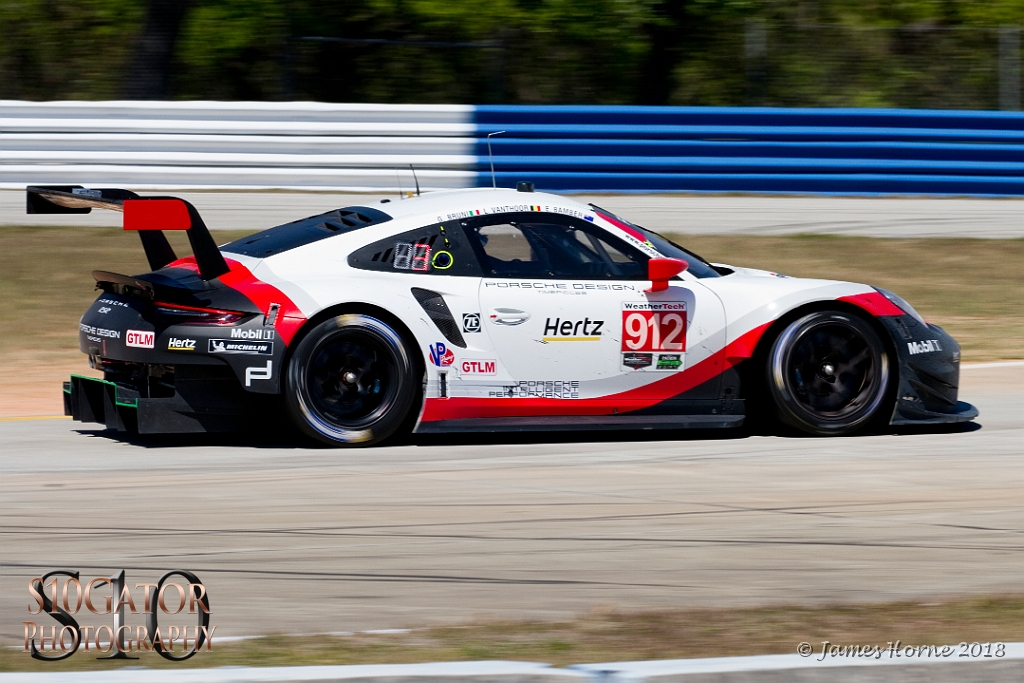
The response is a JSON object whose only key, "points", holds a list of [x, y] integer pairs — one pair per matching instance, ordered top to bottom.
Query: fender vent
{"points": [[433, 303]]}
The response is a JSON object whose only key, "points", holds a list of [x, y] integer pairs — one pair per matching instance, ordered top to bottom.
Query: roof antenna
{"points": [[398, 174], [416, 179], [494, 181]]}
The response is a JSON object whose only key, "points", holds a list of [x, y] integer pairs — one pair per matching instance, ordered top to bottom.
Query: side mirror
{"points": [[661, 270]]}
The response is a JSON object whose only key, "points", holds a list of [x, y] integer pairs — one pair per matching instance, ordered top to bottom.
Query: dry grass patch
{"points": [[972, 287], [604, 636]]}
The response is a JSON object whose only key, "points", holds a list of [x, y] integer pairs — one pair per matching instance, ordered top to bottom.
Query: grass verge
{"points": [[971, 287], [605, 636]]}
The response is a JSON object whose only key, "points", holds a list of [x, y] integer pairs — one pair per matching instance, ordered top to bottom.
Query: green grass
{"points": [[972, 287], [611, 636]]}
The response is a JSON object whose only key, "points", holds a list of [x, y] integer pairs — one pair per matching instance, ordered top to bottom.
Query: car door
{"points": [[434, 267], [549, 298], [565, 306]]}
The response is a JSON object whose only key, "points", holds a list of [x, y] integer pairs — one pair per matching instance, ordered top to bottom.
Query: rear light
{"points": [[176, 313]]}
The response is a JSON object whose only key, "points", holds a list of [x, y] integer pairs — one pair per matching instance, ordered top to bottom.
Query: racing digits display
{"points": [[483, 310]]}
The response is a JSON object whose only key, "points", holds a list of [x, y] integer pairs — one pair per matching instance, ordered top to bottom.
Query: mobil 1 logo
{"points": [[262, 334]]}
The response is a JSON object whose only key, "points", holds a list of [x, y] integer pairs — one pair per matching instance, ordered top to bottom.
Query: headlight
{"points": [[898, 300]]}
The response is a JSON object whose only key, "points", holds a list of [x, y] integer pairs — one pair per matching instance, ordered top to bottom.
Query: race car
{"points": [[483, 310]]}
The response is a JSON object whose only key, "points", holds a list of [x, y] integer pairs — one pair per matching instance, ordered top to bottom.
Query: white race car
{"points": [[484, 310]]}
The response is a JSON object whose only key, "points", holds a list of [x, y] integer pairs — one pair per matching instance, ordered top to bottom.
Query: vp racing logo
{"points": [[441, 355]]}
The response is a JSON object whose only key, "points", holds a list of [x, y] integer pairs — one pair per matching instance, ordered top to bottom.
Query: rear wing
{"points": [[148, 215]]}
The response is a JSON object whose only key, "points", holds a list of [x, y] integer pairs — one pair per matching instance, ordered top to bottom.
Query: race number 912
{"points": [[654, 330]]}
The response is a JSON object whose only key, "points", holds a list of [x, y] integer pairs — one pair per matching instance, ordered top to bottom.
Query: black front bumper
{"points": [[929, 374]]}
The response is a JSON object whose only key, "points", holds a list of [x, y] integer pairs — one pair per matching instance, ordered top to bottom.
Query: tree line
{"points": [[925, 53]]}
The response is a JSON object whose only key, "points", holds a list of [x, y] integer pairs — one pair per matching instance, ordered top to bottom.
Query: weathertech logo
{"points": [[572, 330], [139, 339], [179, 344], [926, 346], [478, 367]]}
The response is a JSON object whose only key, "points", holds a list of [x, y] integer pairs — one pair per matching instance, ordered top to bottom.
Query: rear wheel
{"points": [[828, 373], [350, 381]]}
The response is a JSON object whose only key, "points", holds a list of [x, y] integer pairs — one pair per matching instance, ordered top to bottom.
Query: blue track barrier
{"points": [[730, 149]]}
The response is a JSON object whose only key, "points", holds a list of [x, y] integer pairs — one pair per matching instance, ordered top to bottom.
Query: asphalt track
{"points": [[681, 214], [298, 540]]}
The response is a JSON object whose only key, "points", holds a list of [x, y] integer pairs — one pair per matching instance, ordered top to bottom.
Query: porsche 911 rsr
{"points": [[483, 310]]}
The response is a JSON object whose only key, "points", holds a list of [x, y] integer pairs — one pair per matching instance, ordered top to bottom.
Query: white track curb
{"points": [[767, 668]]}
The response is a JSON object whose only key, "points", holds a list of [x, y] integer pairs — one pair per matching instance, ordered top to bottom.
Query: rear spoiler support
{"points": [[148, 215]]}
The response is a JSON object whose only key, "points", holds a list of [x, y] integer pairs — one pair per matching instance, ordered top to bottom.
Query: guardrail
{"points": [[236, 145], [359, 147], [725, 149]]}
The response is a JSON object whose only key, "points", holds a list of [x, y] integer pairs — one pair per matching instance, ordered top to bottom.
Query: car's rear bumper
{"points": [[203, 403]]}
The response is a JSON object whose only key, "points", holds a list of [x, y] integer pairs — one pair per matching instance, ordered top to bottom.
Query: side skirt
{"points": [[580, 423]]}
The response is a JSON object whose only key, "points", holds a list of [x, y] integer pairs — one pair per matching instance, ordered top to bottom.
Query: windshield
{"points": [[696, 265]]}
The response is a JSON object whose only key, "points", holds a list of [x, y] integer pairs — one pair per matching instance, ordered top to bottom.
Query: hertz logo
{"points": [[572, 330], [179, 344]]}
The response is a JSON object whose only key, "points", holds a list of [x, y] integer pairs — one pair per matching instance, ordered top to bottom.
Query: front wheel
{"points": [[828, 373], [350, 381]]}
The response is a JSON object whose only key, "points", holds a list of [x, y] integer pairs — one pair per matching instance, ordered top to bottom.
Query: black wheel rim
{"points": [[833, 371], [351, 379]]}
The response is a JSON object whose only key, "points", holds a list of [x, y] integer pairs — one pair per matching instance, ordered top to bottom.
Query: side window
{"points": [[528, 245], [438, 249]]}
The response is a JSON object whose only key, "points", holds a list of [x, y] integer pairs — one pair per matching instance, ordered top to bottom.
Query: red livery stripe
{"points": [[241, 279], [874, 303], [437, 409]]}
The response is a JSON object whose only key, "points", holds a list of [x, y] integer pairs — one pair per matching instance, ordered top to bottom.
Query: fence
{"points": [[316, 146]]}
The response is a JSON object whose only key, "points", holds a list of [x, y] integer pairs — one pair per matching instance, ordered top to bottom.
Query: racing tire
{"points": [[828, 374], [350, 382]]}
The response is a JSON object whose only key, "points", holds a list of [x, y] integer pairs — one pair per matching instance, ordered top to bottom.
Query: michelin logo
{"points": [[926, 346], [257, 348]]}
